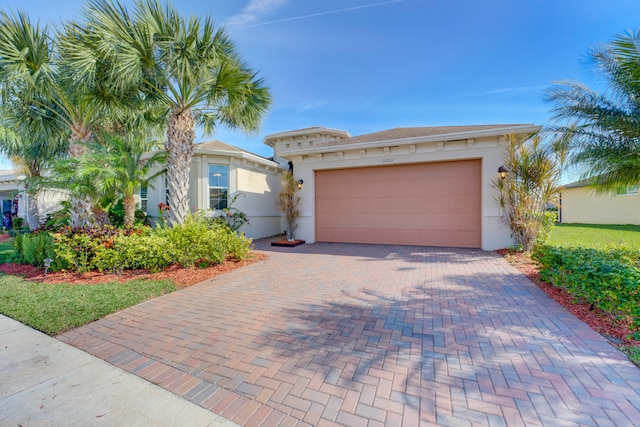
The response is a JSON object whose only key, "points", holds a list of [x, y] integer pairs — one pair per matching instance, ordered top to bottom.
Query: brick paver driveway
{"points": [[361, 335]]}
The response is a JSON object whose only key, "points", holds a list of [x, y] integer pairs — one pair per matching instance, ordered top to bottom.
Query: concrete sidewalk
{"points": [[44, 382]]}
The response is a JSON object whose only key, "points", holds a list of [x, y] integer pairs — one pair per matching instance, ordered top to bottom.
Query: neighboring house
{"points": [[219, 173], [418, 186], [14, 200], [579, 203]]}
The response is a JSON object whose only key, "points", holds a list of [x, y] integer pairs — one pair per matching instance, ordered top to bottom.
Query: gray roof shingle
{"points": [[412, 132]]}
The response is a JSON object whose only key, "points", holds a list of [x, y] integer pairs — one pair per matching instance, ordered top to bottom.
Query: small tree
{"points": [[119, 168], [530, 185], [288, 202]]}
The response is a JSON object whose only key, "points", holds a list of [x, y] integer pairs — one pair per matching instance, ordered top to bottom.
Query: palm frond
{"points": [[604, 129]]}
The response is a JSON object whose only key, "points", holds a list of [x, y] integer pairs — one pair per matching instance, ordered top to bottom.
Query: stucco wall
{"points": [[489, 150], [256, 185], [258, 195], [582, 205]]}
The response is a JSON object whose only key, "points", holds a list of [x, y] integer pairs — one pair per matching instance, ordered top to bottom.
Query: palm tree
{"points": [[27, 66], [188, 68], [35, 69], [604, 127], [29, 135], [31, 156], [119, 168]]}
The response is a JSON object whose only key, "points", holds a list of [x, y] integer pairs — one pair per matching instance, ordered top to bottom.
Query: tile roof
{"points": [[412, 132], [218, 145]]}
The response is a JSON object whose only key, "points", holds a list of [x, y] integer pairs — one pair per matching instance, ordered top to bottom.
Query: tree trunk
{"points": [[179, 145], [129, 204], [32, 211], [81, 212]]}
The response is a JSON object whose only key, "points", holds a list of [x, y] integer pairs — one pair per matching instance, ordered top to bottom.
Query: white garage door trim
{"points": [[431, 204]]}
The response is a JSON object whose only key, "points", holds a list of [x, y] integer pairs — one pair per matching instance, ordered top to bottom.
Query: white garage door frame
{"points": [[428, 203]]}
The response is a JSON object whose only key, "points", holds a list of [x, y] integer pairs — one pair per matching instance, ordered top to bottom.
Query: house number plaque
{"points": [[387, 160]]}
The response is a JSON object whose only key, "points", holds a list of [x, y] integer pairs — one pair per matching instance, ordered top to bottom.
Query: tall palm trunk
{"points": [[179, 145], [129, 204], [81, 214], [33, 217]]}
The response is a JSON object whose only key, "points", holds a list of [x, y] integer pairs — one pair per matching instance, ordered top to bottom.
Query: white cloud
{"points": [[253, 12], [250, 17], [509, 90]]}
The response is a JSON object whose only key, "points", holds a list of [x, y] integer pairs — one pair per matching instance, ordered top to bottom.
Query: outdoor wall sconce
{"points": [[503, 172], [299, 182]]}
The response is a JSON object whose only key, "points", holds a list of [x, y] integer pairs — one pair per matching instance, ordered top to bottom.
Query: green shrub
{"points": [[548, 221], [18, 223], [196, 241], [238, 245], [17, 246], [35, 248], [75, 248], [148, 251], [74, 252], [607, 279]]}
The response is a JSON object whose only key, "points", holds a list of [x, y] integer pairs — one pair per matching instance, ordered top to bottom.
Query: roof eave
{"points": [[519, 129], [270, 139], [245, 155]]}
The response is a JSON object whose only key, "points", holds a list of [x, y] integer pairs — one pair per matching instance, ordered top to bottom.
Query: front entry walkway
{"points": [[364, 335]]}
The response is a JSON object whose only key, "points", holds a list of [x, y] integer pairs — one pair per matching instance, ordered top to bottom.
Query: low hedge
{"points": [[196, 242], [608, 279]]}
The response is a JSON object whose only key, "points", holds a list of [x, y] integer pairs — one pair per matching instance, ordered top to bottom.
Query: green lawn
{"points": [[595, 235], [6, 251], [53, 309], [632, 352]]}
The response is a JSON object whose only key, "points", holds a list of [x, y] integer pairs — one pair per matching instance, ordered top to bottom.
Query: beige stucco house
{"points": [[219, 173], [419, 186], [431, 186], [14, 200], [581, 204]]}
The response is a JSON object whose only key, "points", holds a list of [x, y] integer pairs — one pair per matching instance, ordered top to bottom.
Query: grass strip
{"points": [[596, 236], [6, 251], [53, 309], [633, 352]]}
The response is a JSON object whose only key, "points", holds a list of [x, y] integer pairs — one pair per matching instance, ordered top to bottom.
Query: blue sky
{"points": [[366, 65]]}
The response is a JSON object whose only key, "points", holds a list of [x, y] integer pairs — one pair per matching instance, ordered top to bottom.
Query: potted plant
{"points": [[288, 202]]}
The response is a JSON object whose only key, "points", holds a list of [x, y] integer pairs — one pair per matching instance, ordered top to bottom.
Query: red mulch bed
{"points": [[181, 276], [607, 325]]}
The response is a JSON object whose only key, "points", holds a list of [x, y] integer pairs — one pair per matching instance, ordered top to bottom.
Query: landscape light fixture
{"points": [[503, 172], [299, 182], [47, 264]]}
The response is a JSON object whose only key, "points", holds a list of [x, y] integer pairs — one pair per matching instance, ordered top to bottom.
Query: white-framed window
{"points": [[218, 186], [627, 190], [144, 199]]}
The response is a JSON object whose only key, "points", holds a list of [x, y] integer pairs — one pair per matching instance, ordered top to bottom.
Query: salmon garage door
{"points": [[431, 204]]}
